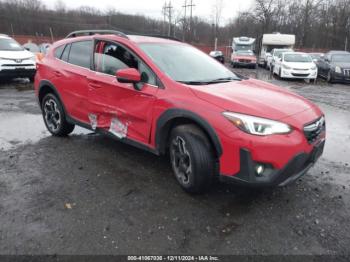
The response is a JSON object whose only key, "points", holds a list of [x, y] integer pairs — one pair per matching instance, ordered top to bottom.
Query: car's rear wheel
{"points": [[54, 116], [192, 158]]}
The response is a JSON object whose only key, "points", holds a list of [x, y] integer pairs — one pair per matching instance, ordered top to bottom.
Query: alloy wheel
{"points": [[52, 115], [181, 160]]}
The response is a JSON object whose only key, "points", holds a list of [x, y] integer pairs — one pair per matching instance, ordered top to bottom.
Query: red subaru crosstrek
{"points": [[164, 96]]}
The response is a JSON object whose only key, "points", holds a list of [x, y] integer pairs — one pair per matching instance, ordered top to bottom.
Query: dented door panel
{"points": [[119, 108]]}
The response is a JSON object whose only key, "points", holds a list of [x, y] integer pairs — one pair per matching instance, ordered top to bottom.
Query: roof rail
{"points": [[94, 32], [161, 36]]}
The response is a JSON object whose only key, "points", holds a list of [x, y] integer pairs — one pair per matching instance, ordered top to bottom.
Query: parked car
{"points": [[218, 55], [316, 56], [243, 58], [270, 60], [15, 61], [295, 65], [335, 66], [166, 96]]}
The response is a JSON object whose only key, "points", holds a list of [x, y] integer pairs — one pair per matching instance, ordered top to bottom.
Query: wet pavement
{"points": [[88, 194]]}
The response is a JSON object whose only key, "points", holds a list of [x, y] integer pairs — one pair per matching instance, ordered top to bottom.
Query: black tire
{"points": [[329, 77], [54, 116], [194, 165]]}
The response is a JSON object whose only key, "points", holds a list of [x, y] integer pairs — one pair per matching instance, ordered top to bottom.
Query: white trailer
{"points": [[270, 41], [243, 43]]}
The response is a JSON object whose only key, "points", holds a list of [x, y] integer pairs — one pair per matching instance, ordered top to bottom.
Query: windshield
{"points": [[8, 44], [243, 47], [278, 52], [244, 53], [303, 58], [345, 58], [187, 64]]}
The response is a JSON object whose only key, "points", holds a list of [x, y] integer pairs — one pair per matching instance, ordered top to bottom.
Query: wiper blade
{"points": [[223, 79], [208, 82]]}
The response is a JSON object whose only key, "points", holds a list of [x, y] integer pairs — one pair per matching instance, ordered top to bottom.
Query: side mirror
{"points": [[128, 75]]}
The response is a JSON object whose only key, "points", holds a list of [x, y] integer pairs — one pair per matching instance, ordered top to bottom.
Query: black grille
{"points": [[244, 60], [17, 65], [347, 72], [298, 74], [313, 130]]}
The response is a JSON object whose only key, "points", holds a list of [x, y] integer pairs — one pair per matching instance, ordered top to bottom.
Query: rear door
{"points": [[70, 78], [118, 107]]}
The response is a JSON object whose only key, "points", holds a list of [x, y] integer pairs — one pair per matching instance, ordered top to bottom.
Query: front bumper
{"points": [[244, 64], [17, 73], [299, 74], [341, 77], [294, 169]]}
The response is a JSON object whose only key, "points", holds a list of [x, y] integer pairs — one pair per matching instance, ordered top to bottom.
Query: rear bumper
{"points": [[295, 168]]}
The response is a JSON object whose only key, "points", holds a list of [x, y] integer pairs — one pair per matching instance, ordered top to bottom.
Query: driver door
{"points": [[116, 107]]}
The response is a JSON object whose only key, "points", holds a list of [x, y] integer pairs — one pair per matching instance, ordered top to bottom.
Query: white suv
{"points": [[15, 61]]}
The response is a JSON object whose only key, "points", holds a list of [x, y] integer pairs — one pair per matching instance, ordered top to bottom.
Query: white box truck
{"points": [[268, 42]]}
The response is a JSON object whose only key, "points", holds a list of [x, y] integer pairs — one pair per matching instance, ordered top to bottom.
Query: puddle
{"points": [[18, 129], [338, 137]]}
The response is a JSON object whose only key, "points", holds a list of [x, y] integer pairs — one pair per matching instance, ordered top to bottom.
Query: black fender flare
{"points": [[47, 83], [164, 124]]}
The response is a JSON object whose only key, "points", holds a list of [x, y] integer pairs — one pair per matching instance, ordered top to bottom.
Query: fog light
{"points": [[259, 169]]}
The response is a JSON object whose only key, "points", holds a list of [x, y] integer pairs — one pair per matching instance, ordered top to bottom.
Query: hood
{"points": [[16, 54], [341, 64], [300, 65], [253, 97]]}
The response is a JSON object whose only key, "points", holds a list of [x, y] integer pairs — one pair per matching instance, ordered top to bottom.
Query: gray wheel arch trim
{"points": [[163, 128]]}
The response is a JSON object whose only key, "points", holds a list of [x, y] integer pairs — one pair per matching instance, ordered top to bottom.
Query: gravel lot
{"points": [[88, 194]]}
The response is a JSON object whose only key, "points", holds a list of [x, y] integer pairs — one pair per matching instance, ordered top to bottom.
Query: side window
{"points": [[58, 51], [65, 53], [80, 53], [111, 57]]}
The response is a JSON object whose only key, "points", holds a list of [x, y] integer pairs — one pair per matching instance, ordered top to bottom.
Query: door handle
{"points": [[57, 73], [94, 85]]}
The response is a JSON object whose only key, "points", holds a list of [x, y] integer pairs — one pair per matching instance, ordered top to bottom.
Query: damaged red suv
{"points": [[165, 96]]}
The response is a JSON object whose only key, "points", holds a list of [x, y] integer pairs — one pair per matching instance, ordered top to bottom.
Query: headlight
{"points": [[286, 67], [313, 68], [337, 69], [256, 125]]}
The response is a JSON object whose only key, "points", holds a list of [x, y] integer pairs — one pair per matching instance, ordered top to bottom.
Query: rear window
{"points": [[58, 51], [65, 53], [80, 53]]}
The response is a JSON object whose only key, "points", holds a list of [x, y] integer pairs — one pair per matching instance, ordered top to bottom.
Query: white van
{"points": [[268, 42], [15, 61]]}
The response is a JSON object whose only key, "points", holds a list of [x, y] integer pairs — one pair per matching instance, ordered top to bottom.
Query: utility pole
{"points": [[190, 5], [168, 12], [184, 24]]}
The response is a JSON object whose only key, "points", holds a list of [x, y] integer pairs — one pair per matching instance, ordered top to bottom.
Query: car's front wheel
{"points": [[329, 77], [54, 116], [192, 158]]}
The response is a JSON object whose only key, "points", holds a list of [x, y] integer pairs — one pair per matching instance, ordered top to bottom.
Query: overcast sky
{"points": [[153, 8]]}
